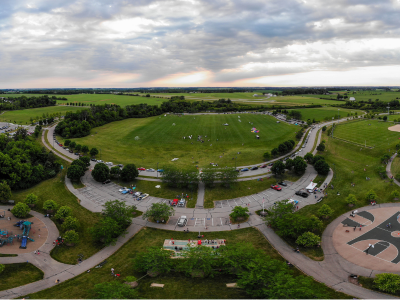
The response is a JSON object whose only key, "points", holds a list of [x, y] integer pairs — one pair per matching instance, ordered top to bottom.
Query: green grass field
{"points": [[363, 95], [326, 113], [23, 116], [375, 135], [160, 140], [19, 274], [177, 286]]}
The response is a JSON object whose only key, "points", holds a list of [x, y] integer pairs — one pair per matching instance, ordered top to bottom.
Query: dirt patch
{"points": [[395, 128]]}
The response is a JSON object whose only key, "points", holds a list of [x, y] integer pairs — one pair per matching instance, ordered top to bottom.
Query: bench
{"points": [[157, 285]]}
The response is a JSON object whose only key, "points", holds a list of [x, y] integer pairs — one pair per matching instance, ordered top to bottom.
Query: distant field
{"points": [[364, 95], [325, 113], [23, 116], [376, 134], [160, 140]]}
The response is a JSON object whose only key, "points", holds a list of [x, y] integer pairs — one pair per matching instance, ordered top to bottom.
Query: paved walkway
{"points": [[389, 167], [200, 195]]}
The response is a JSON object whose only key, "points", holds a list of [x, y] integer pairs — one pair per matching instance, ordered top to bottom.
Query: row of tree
{"points": [[13, 103], [283, 148]]}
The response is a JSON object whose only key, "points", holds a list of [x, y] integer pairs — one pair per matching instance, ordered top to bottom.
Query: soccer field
{"points": [[326, 113], [371, 132], [150, 140]]}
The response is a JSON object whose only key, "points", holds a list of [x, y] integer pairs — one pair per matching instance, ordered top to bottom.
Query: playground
{"points": [[28, 236], [370, 239]]}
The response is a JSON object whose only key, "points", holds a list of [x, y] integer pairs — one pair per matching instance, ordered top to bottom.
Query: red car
{"points": [[60, 145], [263, 166], [142, 169], [276, 187], [174, 202]]}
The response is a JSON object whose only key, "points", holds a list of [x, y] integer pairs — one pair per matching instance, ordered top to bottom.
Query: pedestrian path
{"points": [[200, 195]]}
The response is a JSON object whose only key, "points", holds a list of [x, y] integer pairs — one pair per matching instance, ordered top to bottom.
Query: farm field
{"points": [[363, 95], [326, 113], [23, 116], [376, 134], [148, 141], [177, 285]]}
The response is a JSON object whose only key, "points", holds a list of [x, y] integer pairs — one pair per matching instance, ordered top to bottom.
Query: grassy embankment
{"points": [[15, 275]]}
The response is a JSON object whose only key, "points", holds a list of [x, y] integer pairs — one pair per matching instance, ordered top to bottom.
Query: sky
{"points": [[213, 43]]}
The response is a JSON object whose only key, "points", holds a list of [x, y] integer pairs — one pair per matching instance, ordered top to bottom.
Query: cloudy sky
{"points": [[145, 43]]}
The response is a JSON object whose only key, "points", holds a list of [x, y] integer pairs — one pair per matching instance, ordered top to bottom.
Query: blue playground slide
{"points": [[23, 243]]}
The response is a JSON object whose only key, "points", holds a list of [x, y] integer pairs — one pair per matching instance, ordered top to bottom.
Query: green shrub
{"points": [[31, 199], [351, 199], [50, 205], [20, 210], [63, 212], [70, 223], [71, 237], [308, 239], [387, 282]]}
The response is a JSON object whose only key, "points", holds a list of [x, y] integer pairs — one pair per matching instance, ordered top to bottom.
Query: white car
{"points": [[100, 161], [109, 163], [151, 170], [123, 189], [144, 196], [182, 221]]}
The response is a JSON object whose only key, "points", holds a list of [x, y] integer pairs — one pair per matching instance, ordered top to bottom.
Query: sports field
{"points": [[326, 113], [23, 116], [371, 132], [148, 141]]}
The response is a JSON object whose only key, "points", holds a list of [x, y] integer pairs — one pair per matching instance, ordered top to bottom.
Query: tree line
{"points": [[14, 103]]}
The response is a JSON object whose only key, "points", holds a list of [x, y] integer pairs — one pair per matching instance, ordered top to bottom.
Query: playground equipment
{"points": [[26, 227]]}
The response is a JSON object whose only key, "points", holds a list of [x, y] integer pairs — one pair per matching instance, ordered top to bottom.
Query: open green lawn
{"points": [[369, 96], [326, 113], [23, 116], [371, 132], [149, 141], [395, 169], [55, 189], [15, 275], [177, 286]]}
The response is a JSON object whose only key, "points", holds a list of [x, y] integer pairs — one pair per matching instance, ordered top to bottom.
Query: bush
{"points": [[395, 194], [371, 196], [31, 199], [351, 199], [50, 205], [20, 210], [325, 211], [63, 212], [159, 212], [239, 212], [70, 223], [71, 237], [308, 239], [155, 259], [130, 278], [387, 282], [114, 290]]}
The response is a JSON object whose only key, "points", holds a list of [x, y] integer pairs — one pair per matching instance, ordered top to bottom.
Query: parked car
{"points": [[60, 145], [66, 149], [77, 153], [92, 159], [100, 161], [109, 163], [271, 164], [121, 165], [263, 166], [254, 168], [142, 169], [151, 170], [160, 170], [244, 170], [107, 181], [282, 183], [276, 187], [122, 189], [302, 194], [144, 196], [174, 202], [295, 202], [182, 203], [182, 221]]}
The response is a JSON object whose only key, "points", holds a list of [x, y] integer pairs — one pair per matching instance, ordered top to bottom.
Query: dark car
{"points": [[70, 151], [77, 153], [92, 159], [271, 164], [254, 168], [244, 170], [107, 181], [282, 183], [302, 194]]}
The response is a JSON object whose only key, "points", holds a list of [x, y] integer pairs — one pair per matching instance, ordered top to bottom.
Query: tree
{"points": [[385, 118], [324, 128], [37, 131], [20, 134], [67, 142], [72, 145], [321, 147], [78, 148], [282, 148], [85, 149], [93, 152], [275, 152], [267, 156], [309, 157], [318, 158], [385, 158], [86, 160], [289, 164], [300, 165], [322, 167], [278, 168], [115, 171], [75, 172], [101, 172], [129, 172], [208, 176], [228, 176], [5, 191], [395, 194], [371, 196], [31, 199], [351, 200], [50, 205], [20, 210], [278, 210], [119, 211], [325, 211], [63, 212], [159, 212], [239, 212], [70, 223], [107, 230], [71, 237], [308, 239], [236, 257], [155, 260], [198, 262], [387, 282], [114, 290]]}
